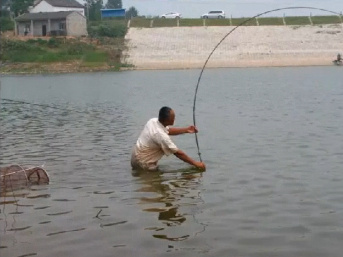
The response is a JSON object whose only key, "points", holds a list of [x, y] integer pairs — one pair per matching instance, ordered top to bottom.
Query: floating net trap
{"points": [[14, 176]]}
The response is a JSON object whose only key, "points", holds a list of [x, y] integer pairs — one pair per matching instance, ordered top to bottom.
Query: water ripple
{"points": [[271, 139]]}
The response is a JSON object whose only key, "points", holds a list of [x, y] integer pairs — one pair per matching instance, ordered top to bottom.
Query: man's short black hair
{"points": [[164, 114]]}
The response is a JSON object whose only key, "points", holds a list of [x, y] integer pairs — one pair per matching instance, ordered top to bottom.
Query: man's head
{"points": [[166, 116]]}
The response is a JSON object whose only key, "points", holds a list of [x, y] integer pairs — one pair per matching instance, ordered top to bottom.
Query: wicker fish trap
{"points": [[16, 175]]}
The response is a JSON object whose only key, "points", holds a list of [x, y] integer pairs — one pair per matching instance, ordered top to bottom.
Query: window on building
{"points": [[62, 26], [27, 27]]}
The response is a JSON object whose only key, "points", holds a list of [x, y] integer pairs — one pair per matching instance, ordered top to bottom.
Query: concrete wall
{"points": [[42, 7], [66, 9], [55, 24], [76, 25], [38, 27], [21, 28], [250, 46]]}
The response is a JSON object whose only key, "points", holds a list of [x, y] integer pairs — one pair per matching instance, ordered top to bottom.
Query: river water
{"points": [[271, 138]]}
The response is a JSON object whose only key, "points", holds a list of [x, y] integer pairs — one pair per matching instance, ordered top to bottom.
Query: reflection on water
{"points": [[173, 196]]}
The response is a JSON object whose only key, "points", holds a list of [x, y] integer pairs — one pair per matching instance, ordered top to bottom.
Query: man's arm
{"points": [[178, 131], [182, 156]]}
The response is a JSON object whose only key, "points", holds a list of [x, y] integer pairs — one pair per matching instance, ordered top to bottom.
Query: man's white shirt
{"points": [[153, 142]]}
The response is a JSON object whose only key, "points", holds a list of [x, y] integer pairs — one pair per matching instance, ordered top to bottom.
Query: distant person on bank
{"points": [[154, 142]]}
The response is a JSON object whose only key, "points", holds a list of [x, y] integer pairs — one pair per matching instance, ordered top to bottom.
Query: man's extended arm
{"points": [[178, 131], [182, 156]]}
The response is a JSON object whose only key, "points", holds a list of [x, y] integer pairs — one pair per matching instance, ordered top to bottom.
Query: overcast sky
{"points": [[234, 8]]}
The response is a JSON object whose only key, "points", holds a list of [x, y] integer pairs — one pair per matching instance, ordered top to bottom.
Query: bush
{"points": [[6, 24], [107, 30], [37, 42], [53, 43], [12, 45], [79, 48], [20, 51], [21, 56], [43, 56], [95, 57]]}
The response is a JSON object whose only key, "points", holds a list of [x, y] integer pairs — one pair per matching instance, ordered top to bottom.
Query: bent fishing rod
{"points": [[225, 36]]}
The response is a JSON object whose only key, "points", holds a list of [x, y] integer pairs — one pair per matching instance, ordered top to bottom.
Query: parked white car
{"points": [[171, 15], [213, 15]]}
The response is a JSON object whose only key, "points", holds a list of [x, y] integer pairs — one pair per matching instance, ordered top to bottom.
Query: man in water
{"points": [[339, 59], [154, 142]]}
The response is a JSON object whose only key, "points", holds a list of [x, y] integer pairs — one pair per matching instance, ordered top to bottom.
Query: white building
{"points": [[57, 6], [69, 23]]}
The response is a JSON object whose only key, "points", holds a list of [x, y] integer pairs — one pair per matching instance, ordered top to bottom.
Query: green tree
{"points": [[5, 3], [114, 4], [20, 6], [93, 8], [132, 12]]}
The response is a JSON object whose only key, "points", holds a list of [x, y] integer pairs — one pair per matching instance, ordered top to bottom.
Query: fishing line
{"points": [[209, 56]]}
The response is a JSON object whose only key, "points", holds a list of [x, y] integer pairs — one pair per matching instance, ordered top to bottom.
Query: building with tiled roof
{"points": [[68, 23]]}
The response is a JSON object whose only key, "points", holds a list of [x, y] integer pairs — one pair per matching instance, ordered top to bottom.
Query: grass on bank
{"points": [[318, 20], [272, 21], [139, 22], [101, 49], [51, 50], [77, 54]]}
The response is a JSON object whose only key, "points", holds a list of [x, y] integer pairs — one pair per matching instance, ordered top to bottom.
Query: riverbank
{"points": [[251, 46], [189, 48], [25, 55], [56, 68]]}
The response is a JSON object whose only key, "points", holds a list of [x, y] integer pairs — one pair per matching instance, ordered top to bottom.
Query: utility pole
{"points": [[0, 45]]}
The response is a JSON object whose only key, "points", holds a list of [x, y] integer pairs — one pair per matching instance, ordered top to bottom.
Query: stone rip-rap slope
{"points": [[189, 47]]}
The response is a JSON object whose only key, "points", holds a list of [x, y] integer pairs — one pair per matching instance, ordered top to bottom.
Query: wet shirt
{"points": [[152, 144]]}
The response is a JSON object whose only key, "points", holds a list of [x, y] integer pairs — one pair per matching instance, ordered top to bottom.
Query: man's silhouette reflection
{"points": [[174, 190]]}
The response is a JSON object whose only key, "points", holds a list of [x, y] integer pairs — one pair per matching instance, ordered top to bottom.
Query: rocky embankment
{"points": [[189, 47]]}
